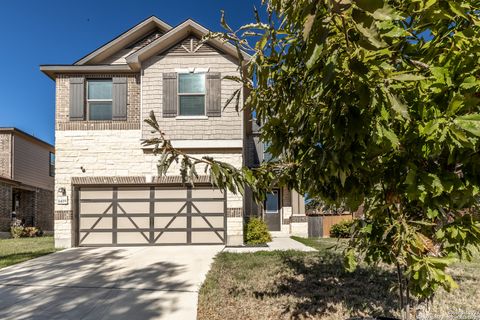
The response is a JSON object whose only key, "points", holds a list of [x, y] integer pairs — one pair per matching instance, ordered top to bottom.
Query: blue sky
{"points": [[61, 32]]}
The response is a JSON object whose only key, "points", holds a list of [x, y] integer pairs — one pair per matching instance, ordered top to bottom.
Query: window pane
{"points": [[191, 83], [100, 89], [192, 105], [100, 110], [267, 156], [52, 164], [271, 203]]}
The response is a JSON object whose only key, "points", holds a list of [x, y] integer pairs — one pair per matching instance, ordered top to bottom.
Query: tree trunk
{"points": [[401, 290]]}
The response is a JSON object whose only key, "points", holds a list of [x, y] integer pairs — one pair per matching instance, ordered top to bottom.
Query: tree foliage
{"points": [[376, 103]]}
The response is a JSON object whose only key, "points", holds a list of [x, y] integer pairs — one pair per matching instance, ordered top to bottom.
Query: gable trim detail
{"points": [[173, 37], [123, 40]]}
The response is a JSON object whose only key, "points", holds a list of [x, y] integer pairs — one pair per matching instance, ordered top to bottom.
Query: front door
{"points": [[272, 210]]}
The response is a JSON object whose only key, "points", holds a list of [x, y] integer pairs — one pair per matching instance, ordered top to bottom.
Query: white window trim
{"points": [[192, 70], [97, 100], [179, 116], [191, 117]]}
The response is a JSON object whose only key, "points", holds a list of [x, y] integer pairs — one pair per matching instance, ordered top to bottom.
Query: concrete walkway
{"points": [[278, 243], [107, 283]]}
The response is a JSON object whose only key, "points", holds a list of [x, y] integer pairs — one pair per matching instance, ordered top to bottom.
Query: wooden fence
{"points": [[319, 225]]}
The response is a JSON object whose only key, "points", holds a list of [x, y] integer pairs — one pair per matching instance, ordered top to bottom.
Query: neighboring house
{"points": [[27, 168], [108, 189]]}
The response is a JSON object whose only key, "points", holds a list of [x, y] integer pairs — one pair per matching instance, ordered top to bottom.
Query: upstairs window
{"points": [[191, 94], [99, 99], [267, 156], [51, 161]]}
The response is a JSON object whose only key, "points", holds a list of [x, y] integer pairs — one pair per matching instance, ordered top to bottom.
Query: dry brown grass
{"points": [[299, 285]]}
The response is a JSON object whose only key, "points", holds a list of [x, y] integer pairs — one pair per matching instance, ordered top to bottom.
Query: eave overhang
{"points": [[52, 70]]}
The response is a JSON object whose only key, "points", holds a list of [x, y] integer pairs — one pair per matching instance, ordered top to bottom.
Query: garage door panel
{"points": [[96, 193], [133, 193], [170, 193], [207, 193], [208, 206], [133, 207], [170, 207], [96, 208], [130, 216], [133, 222], [175, 222], [201, 222], [96, 223], [171, 237], [206, 237], [96, 238], [132, 238]]}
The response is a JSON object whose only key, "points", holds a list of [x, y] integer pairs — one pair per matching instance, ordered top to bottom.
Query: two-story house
{"points": [[27, 168], [109, 191]]}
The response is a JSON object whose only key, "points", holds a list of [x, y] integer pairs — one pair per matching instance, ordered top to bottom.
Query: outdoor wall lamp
{"points": [[61, 192]]}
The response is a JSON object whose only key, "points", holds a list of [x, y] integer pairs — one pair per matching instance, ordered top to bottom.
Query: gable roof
{"points": [[175, 35], [149, 37], [125, 39]]}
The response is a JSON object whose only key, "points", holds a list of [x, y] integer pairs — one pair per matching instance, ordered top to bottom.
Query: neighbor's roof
{"points": [[92, 62], [24, 134]]}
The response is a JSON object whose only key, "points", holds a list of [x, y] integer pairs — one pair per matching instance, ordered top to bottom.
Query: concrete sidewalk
{"points": [[278, 243]]}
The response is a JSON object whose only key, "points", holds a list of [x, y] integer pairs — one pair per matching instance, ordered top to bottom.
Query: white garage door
{"points": [[141, 216]]}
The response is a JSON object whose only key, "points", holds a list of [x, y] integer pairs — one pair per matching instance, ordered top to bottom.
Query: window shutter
{"points": [[169, 95], [119, 98], [213, 98], [77, 99]]}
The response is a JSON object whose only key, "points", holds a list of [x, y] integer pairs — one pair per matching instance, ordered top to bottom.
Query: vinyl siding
{"points": [[226, 127], [31, 163]]}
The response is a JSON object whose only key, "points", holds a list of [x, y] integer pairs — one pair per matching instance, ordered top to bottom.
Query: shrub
{"points": [[342, 229], [16, 232], [25, 232], [256, 232]]}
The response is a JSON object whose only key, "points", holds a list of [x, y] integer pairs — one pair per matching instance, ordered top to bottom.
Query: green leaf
{"points": [[457, 9], [386, 13], [307, 27], [371, 35], [317, 51], [441, 75], [407, 77], [455, 104], [398, 106], [469, 123], [343, 176], [440, 234], [350, 260], [441, 261]]}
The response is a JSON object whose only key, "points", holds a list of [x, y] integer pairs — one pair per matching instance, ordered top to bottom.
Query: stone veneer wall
{"points": [[119, 153]]}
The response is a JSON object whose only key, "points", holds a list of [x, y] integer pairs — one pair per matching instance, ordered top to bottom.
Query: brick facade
{"points": [[63, 102], [5, 155], [5, 205], [35, 207], [43, 217]]}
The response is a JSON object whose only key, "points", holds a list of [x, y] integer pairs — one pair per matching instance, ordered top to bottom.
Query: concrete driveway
{"points": [[107, 283]]}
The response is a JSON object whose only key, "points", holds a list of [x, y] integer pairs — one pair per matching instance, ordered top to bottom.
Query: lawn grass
{"points": [[14, 251], [314, 285]]}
